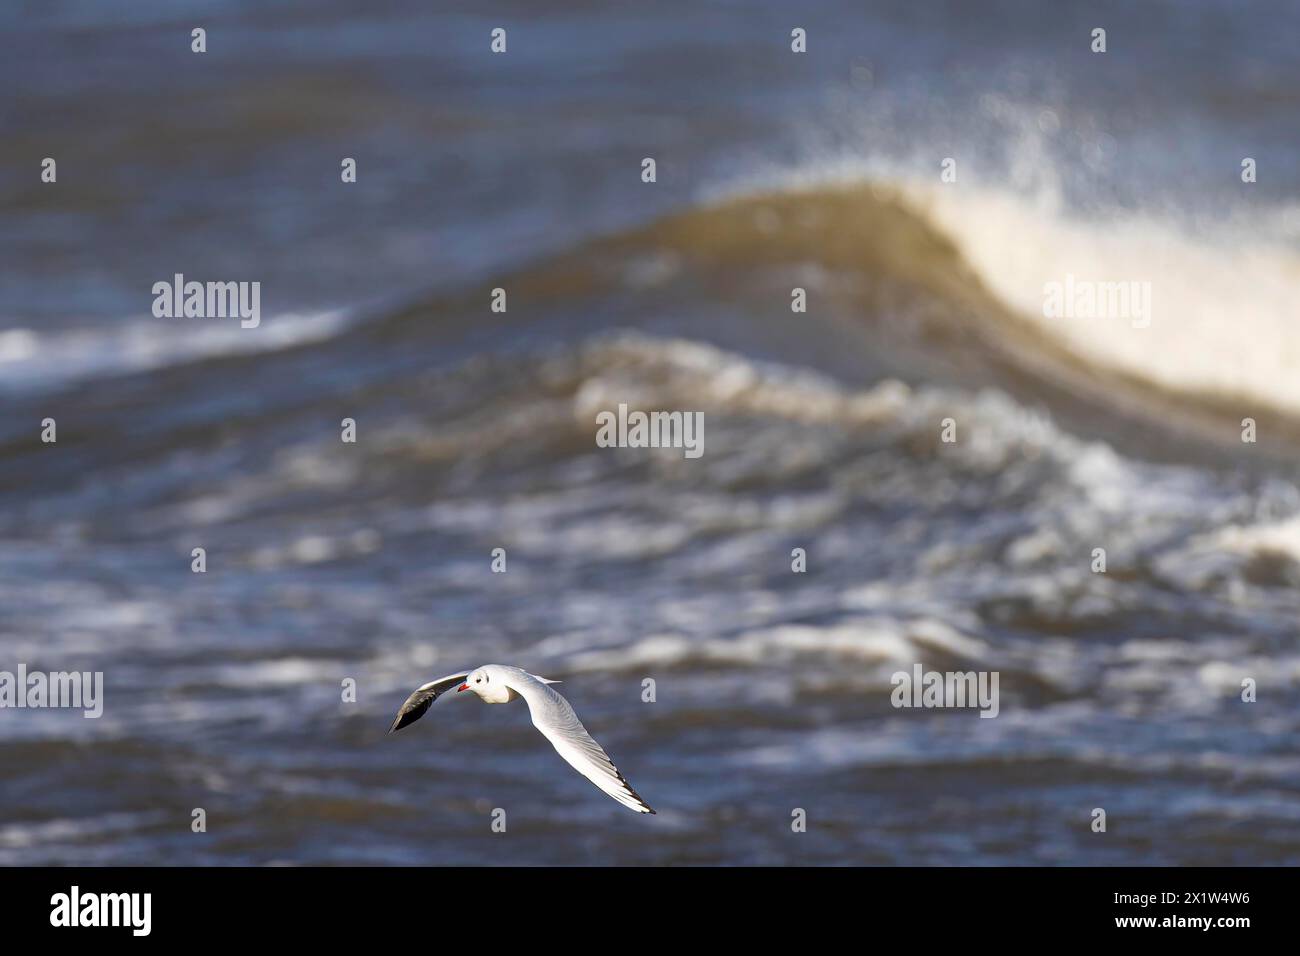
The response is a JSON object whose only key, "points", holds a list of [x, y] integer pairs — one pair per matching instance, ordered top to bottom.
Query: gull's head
{"points": [[489, 683]]}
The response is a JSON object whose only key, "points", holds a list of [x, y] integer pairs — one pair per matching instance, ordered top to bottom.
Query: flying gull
{"points": [[551, 713]]}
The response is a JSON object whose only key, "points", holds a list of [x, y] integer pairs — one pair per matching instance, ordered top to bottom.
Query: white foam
{"points": [[1225, 284], [1223, 309], [30, 359], [1279, 539], [883, 641]]}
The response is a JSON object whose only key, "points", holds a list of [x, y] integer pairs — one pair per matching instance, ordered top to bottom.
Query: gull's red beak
{"points": [[462, 687]]}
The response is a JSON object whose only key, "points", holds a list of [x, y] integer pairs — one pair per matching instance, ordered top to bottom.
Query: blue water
{"points": [[370, 562]]}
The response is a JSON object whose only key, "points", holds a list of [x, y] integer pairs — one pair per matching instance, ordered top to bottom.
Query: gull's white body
{"points": [[551, 713]]}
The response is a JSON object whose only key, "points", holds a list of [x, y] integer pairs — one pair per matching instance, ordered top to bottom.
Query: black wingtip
{"points": [[412, 710], [402, 720]]}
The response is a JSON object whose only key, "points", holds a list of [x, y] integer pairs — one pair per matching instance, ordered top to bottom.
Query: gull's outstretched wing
{"points": [[419, 702], [553, 716]]}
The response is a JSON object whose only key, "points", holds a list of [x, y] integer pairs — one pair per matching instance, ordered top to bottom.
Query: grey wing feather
{"points": [[419, 701]]}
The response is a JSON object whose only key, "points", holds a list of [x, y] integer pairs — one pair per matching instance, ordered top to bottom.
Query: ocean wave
{"points": [[972, 268], [1222, 307]]}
